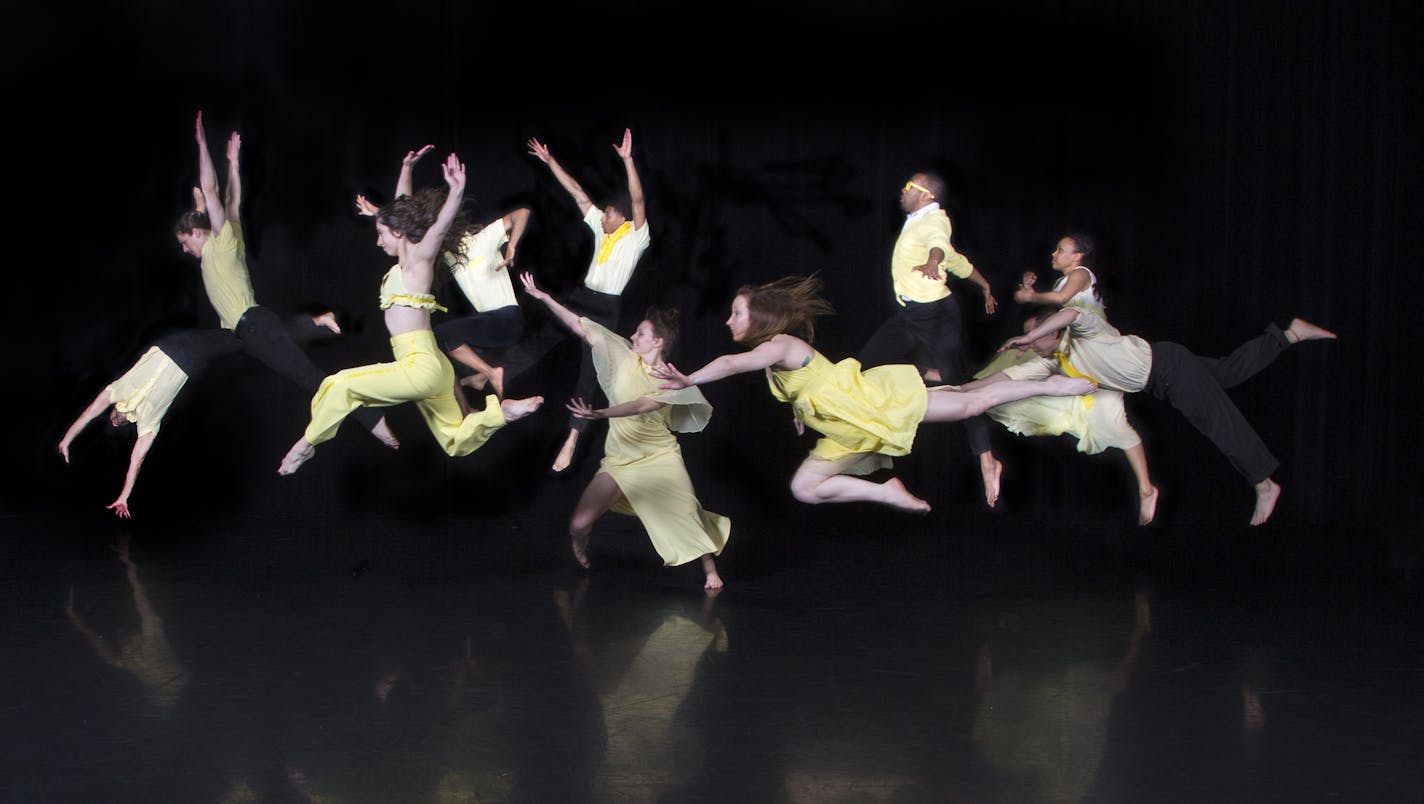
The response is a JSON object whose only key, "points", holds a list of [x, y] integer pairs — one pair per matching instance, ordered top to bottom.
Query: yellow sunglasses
{"points": [[909, 185]]}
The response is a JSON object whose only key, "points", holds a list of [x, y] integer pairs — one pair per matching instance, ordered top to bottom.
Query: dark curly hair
{"points": [[413, 215], [665, 326]]}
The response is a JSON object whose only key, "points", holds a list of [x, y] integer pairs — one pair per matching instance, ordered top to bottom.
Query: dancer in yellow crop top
{"points": [[413, 230], [862, 416]]}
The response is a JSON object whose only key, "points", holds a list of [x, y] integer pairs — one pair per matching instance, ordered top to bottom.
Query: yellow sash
{"points": [[606, 250], [1075, 373]]}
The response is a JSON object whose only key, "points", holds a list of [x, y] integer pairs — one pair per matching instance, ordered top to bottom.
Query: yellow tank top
{"points": [[393, 293]]}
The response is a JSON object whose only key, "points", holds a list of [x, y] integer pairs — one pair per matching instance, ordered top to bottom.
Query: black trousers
{"points": [[603, 308], [495, 329], [930, 334], [264, 337], [192, 350], [1196, 386]]}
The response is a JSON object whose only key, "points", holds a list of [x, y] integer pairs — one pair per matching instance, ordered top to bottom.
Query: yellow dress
{"points": [[872, 413], [643, 457]]}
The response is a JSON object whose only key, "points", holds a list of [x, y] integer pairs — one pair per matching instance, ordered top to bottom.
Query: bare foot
{"points": [[328, 320], [1302, 330], [933, 376], [496, 379], [476, 381], [1068, 386], [516, 409], [381, 431], [566, 452], [300, 453], [993, 472], [1267, 492], [897, 496], [1146, 506], [580, 545], [714, 581]]}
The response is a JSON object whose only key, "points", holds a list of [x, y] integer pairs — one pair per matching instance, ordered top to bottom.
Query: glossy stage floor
{"points": [[984, 658]]}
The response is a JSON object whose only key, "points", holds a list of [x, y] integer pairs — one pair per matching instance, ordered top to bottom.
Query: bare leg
{"points": [[1302, 330], [468, 357], [461, 400], [945, 405], [516, 409], [382, 432], [566, 452], [300, 453], [992, 470], [818, 481], [1146, 492], [1267, 492], [600, 495], [709, 567]]}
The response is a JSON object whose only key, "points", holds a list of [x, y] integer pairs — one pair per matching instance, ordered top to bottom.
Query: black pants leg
{"points": [[934, 332], [265, 338], [1249, 358], [1189, 385]]}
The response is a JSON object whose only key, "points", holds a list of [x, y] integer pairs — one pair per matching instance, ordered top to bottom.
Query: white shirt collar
{"points": [[932, 206]]}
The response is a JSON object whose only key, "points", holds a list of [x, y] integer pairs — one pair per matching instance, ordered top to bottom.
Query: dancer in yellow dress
{"points": [[412, 229], [864, 416], [642, 472]]}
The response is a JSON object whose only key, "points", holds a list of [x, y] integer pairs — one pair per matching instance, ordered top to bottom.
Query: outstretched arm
{"points": [[541, 152], [208, 178], [404, 184], [635, 186], [232, 201], [514, 223], [990, 303], [565, 316], [1053, 323], [764, 356], [643, 404], [96, 408], [120, 507]]}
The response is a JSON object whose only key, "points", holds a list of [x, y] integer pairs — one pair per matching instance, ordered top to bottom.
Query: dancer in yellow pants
{"points": [[412, 229]]}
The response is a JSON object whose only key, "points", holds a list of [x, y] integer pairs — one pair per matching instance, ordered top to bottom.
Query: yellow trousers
{"points": [[420, 374]]}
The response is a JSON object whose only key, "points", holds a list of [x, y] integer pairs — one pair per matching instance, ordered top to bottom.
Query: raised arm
{"points": [[541, 151], [208, 178], [404, 183], [635, 186], [232, 199], [514, 224], [430, 245], [1077, 282], [565, 316], [764, 356], [96, 408], [120, 507]]}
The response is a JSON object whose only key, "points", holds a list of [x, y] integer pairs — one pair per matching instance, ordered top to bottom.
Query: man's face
{"points": [[915, 194], [612, 219], [192, 241], [1066, 257], [1045, 345], [116, 418]]}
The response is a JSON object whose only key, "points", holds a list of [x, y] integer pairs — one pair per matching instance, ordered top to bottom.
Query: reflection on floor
{"points": [[266, 661]]}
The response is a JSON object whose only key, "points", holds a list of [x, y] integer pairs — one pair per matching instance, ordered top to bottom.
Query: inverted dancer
{"points": [[413, 230], [214, 235], [620, 236], [482, 272], [927, 328], [1078, 342], [143, 394], [863, 416], [642, 472]]}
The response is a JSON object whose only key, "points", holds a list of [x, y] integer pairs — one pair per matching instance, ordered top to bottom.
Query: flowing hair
{"points": [[413, 215], [790, 305]]}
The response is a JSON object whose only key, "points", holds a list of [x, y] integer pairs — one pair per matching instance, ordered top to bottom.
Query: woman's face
{"points": [[387, 240], [740, 318], [646, 343]]}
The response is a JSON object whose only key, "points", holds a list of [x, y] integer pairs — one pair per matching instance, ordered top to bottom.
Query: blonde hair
{"points": [[789, 305]]}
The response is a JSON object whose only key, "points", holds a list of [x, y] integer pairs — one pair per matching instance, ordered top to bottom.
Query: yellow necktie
{"points": [[606, 250], [1076, 374]]}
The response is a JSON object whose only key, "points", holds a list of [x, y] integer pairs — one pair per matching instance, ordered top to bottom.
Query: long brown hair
{"points": [[413, 216], [790, 305]]}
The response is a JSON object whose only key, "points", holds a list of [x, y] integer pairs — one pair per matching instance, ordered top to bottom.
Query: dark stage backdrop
{"points": [[1239, 163]]}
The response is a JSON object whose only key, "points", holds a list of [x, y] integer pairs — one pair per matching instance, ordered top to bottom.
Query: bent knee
{"points": [[807, 489]]}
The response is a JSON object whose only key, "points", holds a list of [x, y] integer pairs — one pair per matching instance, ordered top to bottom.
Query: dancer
{"points": [[413, 230], [214, 235], [620, 236], [479, 268], [1076, 287], [927, 326], [1079, 342], [863, 416], [642, 471]]}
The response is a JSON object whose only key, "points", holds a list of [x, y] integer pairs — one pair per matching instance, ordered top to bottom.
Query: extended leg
{"points": [[819, 481], [601, 495]]}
